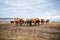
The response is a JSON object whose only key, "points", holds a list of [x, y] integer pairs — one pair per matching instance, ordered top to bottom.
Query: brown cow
{"points": [[33, 20], [15, 21], [18, 21], [28, 21], [42, 21], [47, 21]]}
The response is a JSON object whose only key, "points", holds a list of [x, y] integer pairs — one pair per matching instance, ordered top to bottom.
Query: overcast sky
{"points": [[30, 8]]}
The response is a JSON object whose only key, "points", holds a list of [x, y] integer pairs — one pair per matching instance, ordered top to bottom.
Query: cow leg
{"points": [[27, 22], [46, 22], [20, 23], [30, 23], [35, 23], [38, 23]]}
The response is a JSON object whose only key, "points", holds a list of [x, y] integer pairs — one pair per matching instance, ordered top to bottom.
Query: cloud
{"points": [[30, 8]]}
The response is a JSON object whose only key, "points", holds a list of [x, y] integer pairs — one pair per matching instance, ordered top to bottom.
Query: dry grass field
{"points": [[49, 31]]}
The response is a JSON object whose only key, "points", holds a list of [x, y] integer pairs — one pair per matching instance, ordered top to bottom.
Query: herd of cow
{"points": [[31, 21]]}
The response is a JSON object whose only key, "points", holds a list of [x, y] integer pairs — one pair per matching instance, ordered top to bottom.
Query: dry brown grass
{"points": [[36, 32]]}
